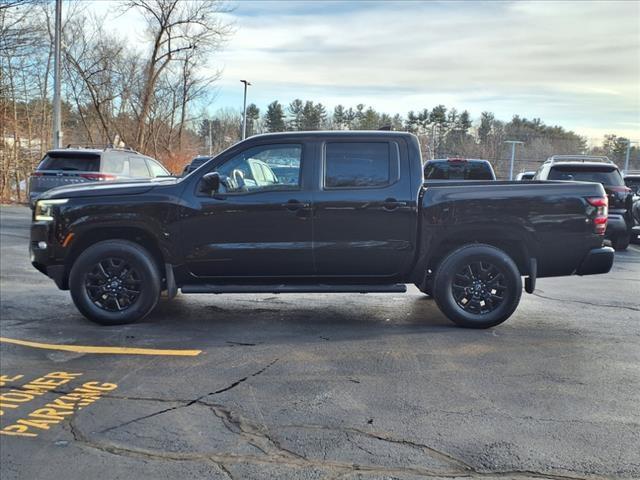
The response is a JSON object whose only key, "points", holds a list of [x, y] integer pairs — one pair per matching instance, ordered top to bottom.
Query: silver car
{"points": [[67, 166]]}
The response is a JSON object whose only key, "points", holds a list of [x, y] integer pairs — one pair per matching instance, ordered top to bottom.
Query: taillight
{"points": [[98, 177], [598, 201], [602, 210]]}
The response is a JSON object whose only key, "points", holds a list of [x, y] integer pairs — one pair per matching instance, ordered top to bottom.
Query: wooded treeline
{"points": [[112, 92], [154, 96], [442, 131]]}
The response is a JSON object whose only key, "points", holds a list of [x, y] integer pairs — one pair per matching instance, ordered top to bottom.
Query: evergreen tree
{"points": [[295, 111], [253, 114], [274, 118], [339, 120]]}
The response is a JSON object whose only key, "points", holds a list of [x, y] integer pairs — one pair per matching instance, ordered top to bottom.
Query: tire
{"points": [[620, 242], [115, 282], [477, 286]]}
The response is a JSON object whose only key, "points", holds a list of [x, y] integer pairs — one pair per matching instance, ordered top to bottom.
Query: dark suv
{"points": [[194, 164], [68, 166], [585, 168], [632, 180]]}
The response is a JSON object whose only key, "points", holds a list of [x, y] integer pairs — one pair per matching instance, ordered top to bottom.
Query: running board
{"points": [[319, 288]]}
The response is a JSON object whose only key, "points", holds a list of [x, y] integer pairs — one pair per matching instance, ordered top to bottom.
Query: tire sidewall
{"points": [[138, 258], [454, 263]]}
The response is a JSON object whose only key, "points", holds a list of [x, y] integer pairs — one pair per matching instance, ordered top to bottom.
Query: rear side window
{"points": [[70, 162], [116, 164], [357, 165], [138, 167], [156, 169], [457, 171], [603, 175]]}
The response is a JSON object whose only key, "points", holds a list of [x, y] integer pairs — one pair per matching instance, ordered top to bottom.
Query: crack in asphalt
{"points": [[564, 300], [194, 401], [387, 438], [275, 454]]}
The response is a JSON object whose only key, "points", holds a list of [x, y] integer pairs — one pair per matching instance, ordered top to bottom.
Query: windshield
{"points": [[69, 162], [458, 171], [603, 175]]}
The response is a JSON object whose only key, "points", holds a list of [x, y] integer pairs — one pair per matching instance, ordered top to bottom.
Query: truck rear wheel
{"points": [[115, 282], [477, 286]]}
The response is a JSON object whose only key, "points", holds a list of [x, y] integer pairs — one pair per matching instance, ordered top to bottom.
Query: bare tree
{"points": [[176, 27]]}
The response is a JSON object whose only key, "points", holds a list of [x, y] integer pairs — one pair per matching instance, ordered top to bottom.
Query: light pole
{"points": [[244, 110], [57, 133], [210, 139], [513, 155], [626, 160]]}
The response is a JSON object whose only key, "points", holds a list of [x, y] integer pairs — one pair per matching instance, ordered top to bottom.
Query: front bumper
{"points": [[44, 259], [598, 260]]}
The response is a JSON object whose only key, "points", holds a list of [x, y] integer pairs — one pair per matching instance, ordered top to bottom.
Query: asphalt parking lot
{"points": [[319, 386]]}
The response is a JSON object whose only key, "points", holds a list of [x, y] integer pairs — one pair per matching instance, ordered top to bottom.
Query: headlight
{"points": [[44, 208]]}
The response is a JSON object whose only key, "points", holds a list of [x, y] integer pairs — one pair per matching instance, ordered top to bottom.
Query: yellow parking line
{"points": [[107, 350]]}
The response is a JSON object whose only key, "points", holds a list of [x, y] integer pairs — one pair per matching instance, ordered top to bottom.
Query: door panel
{"points": [[260, 226], [362, 230]]}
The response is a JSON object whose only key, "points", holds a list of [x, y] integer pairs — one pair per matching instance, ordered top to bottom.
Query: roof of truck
{"points": [[335, 133]]}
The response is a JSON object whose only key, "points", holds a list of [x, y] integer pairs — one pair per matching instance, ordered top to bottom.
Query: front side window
{"points": [[357, 165], [262, 168]]}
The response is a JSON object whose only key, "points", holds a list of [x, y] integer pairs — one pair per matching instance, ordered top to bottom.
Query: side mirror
{"points": [[211, 183]]}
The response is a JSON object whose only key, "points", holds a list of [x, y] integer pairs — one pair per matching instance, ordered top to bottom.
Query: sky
{"points": [[574, 64]]}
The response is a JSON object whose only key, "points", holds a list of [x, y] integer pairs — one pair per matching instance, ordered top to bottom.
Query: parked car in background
{"points": [[195, 163], [70, 166], [457, 168], [585, 168], [525, 176], [632, 180]]}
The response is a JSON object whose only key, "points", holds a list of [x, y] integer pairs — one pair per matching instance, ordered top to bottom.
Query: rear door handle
{"points": [[391, 204], [293, 205]]}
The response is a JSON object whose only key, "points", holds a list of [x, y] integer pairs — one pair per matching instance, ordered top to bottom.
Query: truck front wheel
{"points": [[114, 282], [477, 286]]}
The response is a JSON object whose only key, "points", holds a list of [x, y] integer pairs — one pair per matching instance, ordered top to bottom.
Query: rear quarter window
{"points": [[70, 162], [457, 171], [603, 175]]}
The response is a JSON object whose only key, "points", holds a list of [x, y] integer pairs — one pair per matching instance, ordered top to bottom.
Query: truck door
{"points": [[365, 219], [259, 225]]}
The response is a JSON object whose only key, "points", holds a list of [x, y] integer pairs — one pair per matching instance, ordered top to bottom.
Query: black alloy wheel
{"points": [[115, 281], [113, 284], [479, 287]]}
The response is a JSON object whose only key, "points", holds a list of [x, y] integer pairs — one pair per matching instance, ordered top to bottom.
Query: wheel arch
{"points": [[134, 234], [513, 241]]}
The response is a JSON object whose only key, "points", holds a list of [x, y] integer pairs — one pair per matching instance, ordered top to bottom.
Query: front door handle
{"points": [[391, 204], [293, 205]]}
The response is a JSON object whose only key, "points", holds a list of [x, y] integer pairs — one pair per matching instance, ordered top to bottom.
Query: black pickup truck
{"points": [[352, 216]]}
